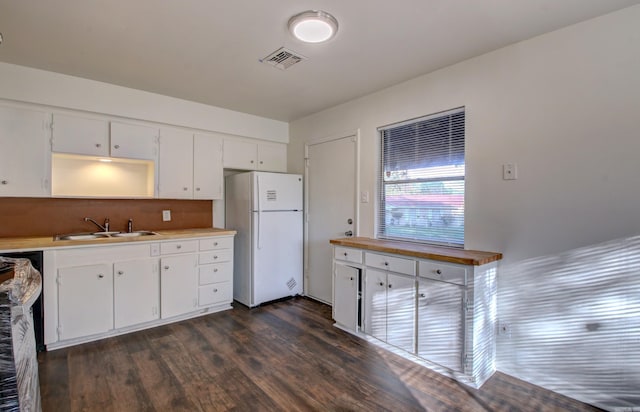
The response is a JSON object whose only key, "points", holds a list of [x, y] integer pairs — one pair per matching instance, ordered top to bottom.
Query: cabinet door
{"points": [[79, 135], [133, 141], [25, 152], [239, 154], [272, 157], [175, 160], [207, 167], [178, 285], [136, 292], [345, 296], [85, 300], [375, 303], [401, 309], [441, 323]]}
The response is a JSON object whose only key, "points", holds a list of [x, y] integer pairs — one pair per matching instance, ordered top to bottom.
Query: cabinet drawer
{"points": [[216, 243], [187, 246], [347, 254], [215, 256], [392, 263], [442, 271], [219, 272], [215, 293]]}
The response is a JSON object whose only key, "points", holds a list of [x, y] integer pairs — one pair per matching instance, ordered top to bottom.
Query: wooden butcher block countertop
{"points": [[48, 242], [445, 254]]}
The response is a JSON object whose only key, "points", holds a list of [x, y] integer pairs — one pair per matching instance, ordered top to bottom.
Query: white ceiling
{"points": [[208, 51]]}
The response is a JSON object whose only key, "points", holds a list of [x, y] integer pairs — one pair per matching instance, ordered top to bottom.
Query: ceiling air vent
{"points": [[283, 58]]}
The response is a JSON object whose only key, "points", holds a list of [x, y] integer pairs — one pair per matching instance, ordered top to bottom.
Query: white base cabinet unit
{"points": [[92, 292], [436, 304]]}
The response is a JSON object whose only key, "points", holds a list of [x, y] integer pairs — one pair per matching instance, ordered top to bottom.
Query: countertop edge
{"points": [[48, 242], [440, 253]]}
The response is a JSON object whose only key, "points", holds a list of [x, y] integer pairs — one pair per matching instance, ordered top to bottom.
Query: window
{"points": [[421, 182]]}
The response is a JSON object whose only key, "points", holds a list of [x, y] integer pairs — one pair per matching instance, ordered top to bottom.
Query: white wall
{"points": [[53, 89], [565, 108]]}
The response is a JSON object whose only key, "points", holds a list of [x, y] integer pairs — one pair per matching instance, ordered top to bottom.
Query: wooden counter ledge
{"points": [[441, 253]]}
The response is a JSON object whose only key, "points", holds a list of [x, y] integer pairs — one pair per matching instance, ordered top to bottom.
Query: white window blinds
{"points": [[421, 183]]}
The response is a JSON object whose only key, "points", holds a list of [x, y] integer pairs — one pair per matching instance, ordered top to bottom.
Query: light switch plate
{"points": [[509, 171], [166, 215]]}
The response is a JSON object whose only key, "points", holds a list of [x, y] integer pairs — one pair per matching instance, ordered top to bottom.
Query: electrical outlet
{"points": [[509, 171], [364, 197], [166, 215], [504, 329]]}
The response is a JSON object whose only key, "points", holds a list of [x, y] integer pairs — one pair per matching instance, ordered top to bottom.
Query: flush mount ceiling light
{"points": [[313, 26]]}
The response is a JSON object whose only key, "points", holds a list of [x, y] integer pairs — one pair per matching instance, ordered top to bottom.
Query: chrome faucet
{"points": [[104, 228]]}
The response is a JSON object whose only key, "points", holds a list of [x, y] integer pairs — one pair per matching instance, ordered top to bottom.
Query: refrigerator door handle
{"points": [[259, 194]]}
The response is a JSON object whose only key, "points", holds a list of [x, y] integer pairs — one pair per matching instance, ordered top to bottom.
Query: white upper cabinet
{"points": [[79, 135], [94, 137], [134, 141], [25, 154], [245, 155], [272, 157], [190, 165], [207, 167], [175, 171]]}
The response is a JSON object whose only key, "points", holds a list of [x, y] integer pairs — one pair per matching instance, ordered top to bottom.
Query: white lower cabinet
{"points": [[178, 285], [94, 292], [85, 294], [136, 294], [390, 308], [345, 309], [438, 311], [441, 323]]}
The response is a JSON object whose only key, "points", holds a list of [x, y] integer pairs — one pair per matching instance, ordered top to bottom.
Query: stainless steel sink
{"points": [[134, 234], [103, 235], [81, 236]]}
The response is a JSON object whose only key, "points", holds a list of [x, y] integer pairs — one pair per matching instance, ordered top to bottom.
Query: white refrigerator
{"points": [[266, 211]]}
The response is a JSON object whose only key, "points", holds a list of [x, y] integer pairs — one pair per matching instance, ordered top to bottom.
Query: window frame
{"points": [[381, 215]]}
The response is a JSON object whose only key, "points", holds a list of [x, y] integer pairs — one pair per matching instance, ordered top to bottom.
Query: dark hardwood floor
{"points": [[284, 356]]}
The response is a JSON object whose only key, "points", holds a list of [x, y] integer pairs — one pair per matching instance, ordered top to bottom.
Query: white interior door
{"points": [[331, 205]]}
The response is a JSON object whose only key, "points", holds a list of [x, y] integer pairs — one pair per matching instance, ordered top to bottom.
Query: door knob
{"points": [[348, 233]]}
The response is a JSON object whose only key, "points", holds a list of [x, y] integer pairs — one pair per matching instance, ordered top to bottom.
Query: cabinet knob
{"points": [[98, 145], [116, 146], [252, 162], [261, 162], [5, 182], [185, 188], [197, 189], [215, 243], [179, 247], [345, 253], [215, 257], [386, 263], [166, 268], [215, 270], [438, 271], [120, 273], [100, 275], [351, 278], [381, 283], [389, 285], [215, 290], [422, 295]]}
